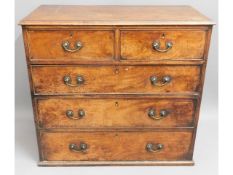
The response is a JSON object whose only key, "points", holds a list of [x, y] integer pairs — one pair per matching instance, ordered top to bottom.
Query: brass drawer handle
{"points": [[66, 46], [156, 46], [68, 81], [155, 81], [70, 114], [162, 114], [150, 147], [75, 148]]}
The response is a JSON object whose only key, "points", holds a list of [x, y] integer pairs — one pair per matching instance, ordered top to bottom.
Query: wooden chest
{"points": [[116, 85]]}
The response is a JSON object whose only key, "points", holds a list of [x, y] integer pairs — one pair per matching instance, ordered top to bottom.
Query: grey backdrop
{"points": [[206, 148]]}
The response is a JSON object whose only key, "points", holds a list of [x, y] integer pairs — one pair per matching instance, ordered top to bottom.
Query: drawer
{"points": [[78, 45], [162, 45], [114, 79], [114, 113], [116, 145]]}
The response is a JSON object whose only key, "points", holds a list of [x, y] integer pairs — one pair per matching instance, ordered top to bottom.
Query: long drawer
{"points": [[52, 80], [114, 113], [116, 145]]}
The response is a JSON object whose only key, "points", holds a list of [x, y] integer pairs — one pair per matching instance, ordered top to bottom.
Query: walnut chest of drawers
{"points": [[116, 85]]}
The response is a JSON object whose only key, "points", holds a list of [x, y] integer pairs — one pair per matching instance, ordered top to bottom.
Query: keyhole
{"points": [[71, 34], [163, 36], [116, 71], [116, 104]]}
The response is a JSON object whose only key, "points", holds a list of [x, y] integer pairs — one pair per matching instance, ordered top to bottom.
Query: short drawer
{"points": [[78, 45], [162, 45], [114, 79], [114, 113], [116, 145]]}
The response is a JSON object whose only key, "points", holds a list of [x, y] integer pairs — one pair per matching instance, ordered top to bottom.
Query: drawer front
{"points": [[71, 45], [162, 45], [110, 79], [114, 113], [116, 145]]}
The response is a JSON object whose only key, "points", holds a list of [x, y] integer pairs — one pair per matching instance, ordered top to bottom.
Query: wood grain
{"points": [[115, 15], [97, 45], [137, 45], [116, 61], [111, 79], [114, 113], [116, 145]]}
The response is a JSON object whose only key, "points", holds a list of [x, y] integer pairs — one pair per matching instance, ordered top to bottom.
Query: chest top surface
{"points": [[115, 15]]}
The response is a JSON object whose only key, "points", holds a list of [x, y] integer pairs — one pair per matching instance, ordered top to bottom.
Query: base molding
{"points": [[116, 163]]}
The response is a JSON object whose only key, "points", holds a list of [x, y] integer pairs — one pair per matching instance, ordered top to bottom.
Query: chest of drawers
{"points": [[116, 85]]}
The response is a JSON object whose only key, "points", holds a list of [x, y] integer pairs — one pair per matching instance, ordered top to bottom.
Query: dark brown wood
{"points": [[116, 61]]}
